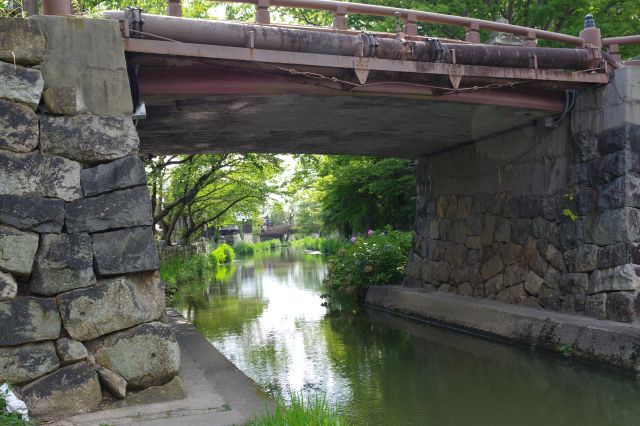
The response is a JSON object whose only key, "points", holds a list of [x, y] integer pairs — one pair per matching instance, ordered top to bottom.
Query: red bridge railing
{"points": [[589, 37]]}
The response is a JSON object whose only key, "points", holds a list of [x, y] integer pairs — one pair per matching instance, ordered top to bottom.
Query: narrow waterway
{"points": [[265, 315]]}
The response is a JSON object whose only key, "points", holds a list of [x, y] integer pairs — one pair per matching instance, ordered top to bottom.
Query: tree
{"points": [[209, 189], [361, 193]]}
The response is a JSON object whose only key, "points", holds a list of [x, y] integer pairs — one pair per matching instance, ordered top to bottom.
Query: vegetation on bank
{"points": [[325, 245], [246, 247], [379, 258], [179, 270], [302, 411], [11, 419]]}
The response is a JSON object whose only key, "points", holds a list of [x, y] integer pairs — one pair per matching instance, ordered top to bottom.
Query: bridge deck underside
{"points": [[200, 109]]}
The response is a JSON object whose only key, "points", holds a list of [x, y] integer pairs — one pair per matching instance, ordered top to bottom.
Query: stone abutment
{"points": [[542, 216], [81, 302]]}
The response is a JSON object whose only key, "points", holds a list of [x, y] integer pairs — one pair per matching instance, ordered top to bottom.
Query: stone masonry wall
{"points": [[542, 217], [81, 303]]}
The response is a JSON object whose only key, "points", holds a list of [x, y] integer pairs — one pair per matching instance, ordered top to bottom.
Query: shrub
{"points": [[267, 245], [324, 245], [243, 247], [223, 254], [377, 259], [177, 270], [302, 411]]}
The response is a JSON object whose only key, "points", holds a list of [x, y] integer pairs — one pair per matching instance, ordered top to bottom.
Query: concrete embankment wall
{"points": [[541, 216], [81, 303]]}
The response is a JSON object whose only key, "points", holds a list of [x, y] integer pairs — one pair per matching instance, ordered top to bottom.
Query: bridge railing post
{"points": [[30, 7], [57, 7], [174, 8], [262, 12], [340, 18], [410, 24], [473, 33], [591, 34], [530, 39], [614, 51]]}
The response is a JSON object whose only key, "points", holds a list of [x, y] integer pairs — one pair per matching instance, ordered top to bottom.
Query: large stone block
{"points": [[21, 41], [87, 55], [21, 84], [60, 100], [18, 127], [88, 138], [124, 173], [39, 175], [623, 191], [121, 209], [43, 215], [614, 226], [17, 250], [125, 250], [583, 258], [63, 262], [491, 267], [619, 278], [574, 283], [8, 287], [112, 305], [621, 306], [28, 319], [70, 351], [146, 355], [22, 364], [114, 382], [70, 390]]}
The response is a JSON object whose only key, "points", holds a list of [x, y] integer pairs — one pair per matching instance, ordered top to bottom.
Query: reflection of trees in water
{"points": [[399, 370]]}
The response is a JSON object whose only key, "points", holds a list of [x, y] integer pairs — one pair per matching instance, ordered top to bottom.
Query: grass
{"points": [[325, 245], [245, 247], [177, 271], [302, 411]]}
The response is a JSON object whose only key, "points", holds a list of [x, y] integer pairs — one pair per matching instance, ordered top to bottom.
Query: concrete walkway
{"points": [[603, 342], [217, 393]]}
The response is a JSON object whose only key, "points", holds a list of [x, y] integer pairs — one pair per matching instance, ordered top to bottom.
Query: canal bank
{"points": [[610, 343], [211, 391]]}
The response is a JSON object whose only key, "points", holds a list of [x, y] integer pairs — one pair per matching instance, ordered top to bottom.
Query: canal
{"points": [[265, 315]]}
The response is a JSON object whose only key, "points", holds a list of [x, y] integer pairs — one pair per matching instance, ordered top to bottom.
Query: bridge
{"points": [[222, 87], [527, 172]]}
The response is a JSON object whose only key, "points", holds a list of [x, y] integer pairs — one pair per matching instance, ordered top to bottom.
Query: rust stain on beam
{"points": [[348, 62]]}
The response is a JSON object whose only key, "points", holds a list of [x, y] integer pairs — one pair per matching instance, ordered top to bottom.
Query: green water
{"points": [[265, 316]]}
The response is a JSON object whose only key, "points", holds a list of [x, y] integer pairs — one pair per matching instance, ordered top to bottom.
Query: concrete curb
{"points": [[605, 342], [218, 394]]}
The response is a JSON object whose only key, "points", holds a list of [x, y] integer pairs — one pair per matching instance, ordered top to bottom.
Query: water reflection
{"points": [[266, 318]]}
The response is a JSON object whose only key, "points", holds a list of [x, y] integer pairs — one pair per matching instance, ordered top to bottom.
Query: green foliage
{"points": [[208, 190], [361, 193], [267, 245], [324, 245], [243, 248], [246, 248], [223, 254], [374, 260], [179, 271], [567, 351], [302, 411], [11, 419]]}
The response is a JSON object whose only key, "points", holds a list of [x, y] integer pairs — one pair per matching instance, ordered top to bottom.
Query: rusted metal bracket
{"points": [[361, 67]]}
